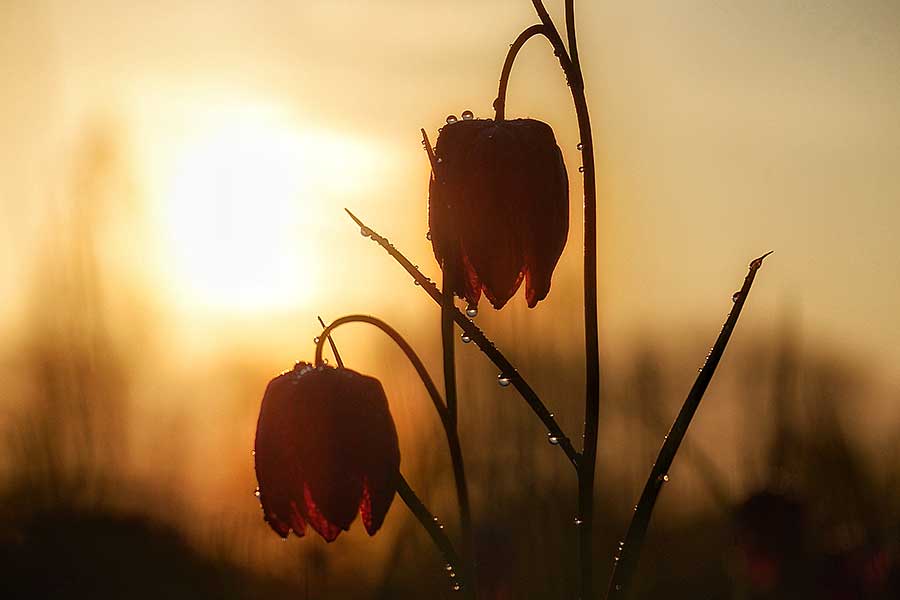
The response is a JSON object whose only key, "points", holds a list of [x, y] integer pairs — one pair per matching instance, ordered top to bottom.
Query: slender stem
{"points": [[570, 33], [500, 102], [392, 333], [481, 340], [449, 348], [334, 350], [447, 421], [587, 465], [462, 489], [433, 527], [626, 564]]}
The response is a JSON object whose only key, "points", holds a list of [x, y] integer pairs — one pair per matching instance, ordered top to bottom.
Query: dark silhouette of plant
{"points": [[498, 215]]}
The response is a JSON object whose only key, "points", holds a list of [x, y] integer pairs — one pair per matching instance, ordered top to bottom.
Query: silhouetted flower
{"points": [[498, 208], [326, 448]]}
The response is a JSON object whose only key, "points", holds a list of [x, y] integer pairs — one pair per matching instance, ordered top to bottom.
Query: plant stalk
{"points": [[447, 421], [630, 549]]}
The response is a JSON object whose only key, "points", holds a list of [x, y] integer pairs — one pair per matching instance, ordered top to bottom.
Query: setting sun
{"points": [[241, 214]]}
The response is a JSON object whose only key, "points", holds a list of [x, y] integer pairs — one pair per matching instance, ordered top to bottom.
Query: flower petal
{"points": [[276, 454]]}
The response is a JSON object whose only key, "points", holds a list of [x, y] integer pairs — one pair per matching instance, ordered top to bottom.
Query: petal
{"points": [[493, 188], [546, 214], [276, 453], [318, 521]]}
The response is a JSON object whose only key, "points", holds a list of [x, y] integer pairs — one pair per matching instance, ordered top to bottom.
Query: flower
{"points": [[498, 208], [326, 448]]}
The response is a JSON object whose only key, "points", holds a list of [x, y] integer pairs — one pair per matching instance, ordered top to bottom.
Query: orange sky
{"points": [[724, 130]]}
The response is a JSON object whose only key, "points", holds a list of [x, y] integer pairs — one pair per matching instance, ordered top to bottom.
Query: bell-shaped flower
{"points": [[498, 208], [326, 449]]}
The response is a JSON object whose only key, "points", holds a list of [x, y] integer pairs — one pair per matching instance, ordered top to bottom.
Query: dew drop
{"points": [[468, 115], [451, 119], [579, 147], [439, 160], [581, 169], [365, 231], [428, 236], [416, 282], [736, 296], [471, 311], [465, 338], [316, 340], [325, 361], [502, 380], [554, 441], [253, 453], [665, 477], [256, 492], [435, 519], [578, 521], [448, 567], [452, 575], [618, 586], [456, 587]]}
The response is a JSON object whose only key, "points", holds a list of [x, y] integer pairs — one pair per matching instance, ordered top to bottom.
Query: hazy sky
{"points": [[725, 129]]}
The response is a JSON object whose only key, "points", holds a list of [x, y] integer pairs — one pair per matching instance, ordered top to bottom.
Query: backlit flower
{"points": [[498, 208], [326, 449]]}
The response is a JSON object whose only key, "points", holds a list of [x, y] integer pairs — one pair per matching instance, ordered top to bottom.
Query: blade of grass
{"points": [[481, 340], [630, 549]]}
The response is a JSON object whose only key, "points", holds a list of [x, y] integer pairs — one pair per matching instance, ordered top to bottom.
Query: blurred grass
{"points": [[126, 477]]}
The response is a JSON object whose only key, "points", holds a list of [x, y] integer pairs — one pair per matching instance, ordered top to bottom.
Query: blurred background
{"points": [[171, 225]]}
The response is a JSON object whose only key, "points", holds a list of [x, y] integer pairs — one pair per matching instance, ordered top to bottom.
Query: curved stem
{"points": [[570, 33], [500, 102], [481, 340], [404, 346], [448, 421], [587, 465], [435, 530], [626, 564]]}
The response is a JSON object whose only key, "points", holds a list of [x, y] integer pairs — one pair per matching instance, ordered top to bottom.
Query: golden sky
{"points": [[724, 130]]}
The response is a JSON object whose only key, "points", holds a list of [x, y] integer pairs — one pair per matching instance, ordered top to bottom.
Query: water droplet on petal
{"points": [[467, 115], [451, 119], [579, 147], [439, 160], [581, 169], [365, 231], [428, 236], [736, 296], [471, 311], [465, 338], [316, 340], [502, 380], [554, 441], [253, 453], [665, 477], [256, 492], [578, 521], [448, 567], [452, 575], [618, 586], [456, 587]]}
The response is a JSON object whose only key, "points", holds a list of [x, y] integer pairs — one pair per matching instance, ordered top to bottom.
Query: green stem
{"points": [[626, 563]]}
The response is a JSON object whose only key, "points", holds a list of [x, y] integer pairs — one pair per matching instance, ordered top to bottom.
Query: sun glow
{"points": [[246, 201]]}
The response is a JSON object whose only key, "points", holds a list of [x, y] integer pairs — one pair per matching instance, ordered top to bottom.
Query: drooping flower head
{"points": [[498, 208], [326, 449]]}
